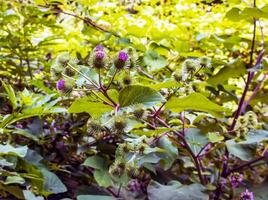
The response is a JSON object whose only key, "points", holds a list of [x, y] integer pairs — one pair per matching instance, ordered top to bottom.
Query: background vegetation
{"points": [[138, 99]]}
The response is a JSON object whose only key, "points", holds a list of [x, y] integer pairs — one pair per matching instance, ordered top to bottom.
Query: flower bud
{"points": [[99, 48], [98, 57], [121, 60], [60, 84], [65, 85], [236, 179], [246, 195]]}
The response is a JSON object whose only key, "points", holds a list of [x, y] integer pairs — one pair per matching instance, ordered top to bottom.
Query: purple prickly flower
{"points": [[99, 48], [99, 55], [123, 56], [60, 84], [236, 179], [246, 195]]}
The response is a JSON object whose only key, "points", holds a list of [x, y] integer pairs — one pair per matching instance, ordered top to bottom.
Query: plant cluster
{"points": [[130, 117]]}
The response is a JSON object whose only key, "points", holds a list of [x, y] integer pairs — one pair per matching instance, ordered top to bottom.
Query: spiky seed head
{"points": [[133, 57], [204, 61], [190, 65], [69, 72], [177, 75], [127, 80], [139, 113], [120, 124], [94, 127], [141, 147], [114, 171]]}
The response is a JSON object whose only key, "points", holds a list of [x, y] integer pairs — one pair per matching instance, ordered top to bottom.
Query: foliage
{"points": [[133, 99]]}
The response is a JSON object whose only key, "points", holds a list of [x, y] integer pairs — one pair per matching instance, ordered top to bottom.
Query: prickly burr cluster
{"points": [[246, 123], [101, 133]]}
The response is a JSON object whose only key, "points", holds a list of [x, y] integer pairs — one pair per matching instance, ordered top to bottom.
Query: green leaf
{"points": [[254, 13], [234, 14], [154, 61], [231, 70], [90, 73], [164, 84], [137, 94], [11, 95], [195, 101], [85, 104], [150, 132], [215, 137], [195, 139], [8, 149], [245, 150], [171, 152], [95, 162], [5, 163], [101, 174], [103, 178], [14, 180], [52, 183], [13, 190], [174, 190], [30, 196], [95, 197]]}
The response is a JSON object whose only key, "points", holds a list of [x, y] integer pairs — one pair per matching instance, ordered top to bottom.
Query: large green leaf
{"points": [[154, 61], [233, 69], [11, 94], [137, 94], [195, 101], [85, 104], [195, 139], [245, 150], [20, 151], [95, 162], [101, 174], [103, 177], [52, 183], [175, 191], [30, 196], [95, 197]]}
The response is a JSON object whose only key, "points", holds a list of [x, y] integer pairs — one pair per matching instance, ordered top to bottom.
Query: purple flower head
{"points": [[99, 48], [99, 55], [123, 56], [60, 84], [236, 179], [246, 195]]}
